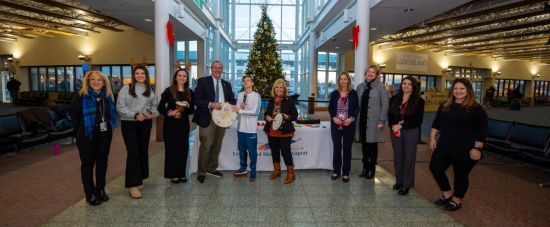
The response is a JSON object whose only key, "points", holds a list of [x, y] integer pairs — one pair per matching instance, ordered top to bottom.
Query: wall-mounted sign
{"points": [[198, 3], [411, 61]]}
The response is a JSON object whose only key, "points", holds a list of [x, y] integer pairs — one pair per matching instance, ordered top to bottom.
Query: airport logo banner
{"points": [[411, 61]]}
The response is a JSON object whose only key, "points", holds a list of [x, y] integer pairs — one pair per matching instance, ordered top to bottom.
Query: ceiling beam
{"points": [[77, 10], [48, 13], [23, 17], [473, 25], [52, 30], [484, 32], [502, 37], [499, 43], [508, 47]]}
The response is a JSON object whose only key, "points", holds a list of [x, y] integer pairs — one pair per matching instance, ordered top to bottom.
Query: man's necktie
{"points": [[217, 97]]}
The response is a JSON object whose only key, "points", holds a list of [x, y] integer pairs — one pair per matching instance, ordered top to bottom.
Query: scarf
{"points": [[89, 110]]}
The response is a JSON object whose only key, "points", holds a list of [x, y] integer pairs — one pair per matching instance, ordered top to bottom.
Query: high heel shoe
{"points": [[363, 173], [345, 179], [175, 180], [397, 186], [403, 191], [102, 196], [93, 200], [442, 200], [452, 206]]}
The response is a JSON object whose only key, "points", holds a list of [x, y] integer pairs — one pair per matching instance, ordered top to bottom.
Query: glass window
{"points": [[322, 61], [151, 69], [106, 70], [79, 74], [126, 74], [69, 76], [43, 79], [51, 79], [116, 79], [35, 82], [62, 85], [321, 85]]}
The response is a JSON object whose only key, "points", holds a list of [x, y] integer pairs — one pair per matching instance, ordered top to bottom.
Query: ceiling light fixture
{"points": [[147, 20], [373, 28]]}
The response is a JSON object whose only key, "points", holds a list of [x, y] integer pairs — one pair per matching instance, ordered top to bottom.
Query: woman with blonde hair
{"points": [[373, 106], [342, 107], [280, 109], [94, 118], [462, 125]]}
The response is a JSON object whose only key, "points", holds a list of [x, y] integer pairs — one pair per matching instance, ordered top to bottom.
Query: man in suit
{"points": [[210, 93]]}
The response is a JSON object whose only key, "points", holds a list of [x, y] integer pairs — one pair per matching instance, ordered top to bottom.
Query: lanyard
{"points": [[102, 110]]}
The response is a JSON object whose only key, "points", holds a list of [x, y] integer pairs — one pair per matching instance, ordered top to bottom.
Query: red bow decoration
{"points": [[169, 33], [355, 36]]}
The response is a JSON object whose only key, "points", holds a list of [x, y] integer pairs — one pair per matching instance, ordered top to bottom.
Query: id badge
{"points": [[103, 126]]}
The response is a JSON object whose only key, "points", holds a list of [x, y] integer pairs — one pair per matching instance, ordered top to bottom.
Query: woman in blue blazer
{"points": [[343, 107]]}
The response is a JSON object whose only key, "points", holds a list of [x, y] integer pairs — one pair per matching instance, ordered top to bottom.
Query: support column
{"points": [[162, 48], [361, 53], [162, 56], [201, 58], [312, 64]]}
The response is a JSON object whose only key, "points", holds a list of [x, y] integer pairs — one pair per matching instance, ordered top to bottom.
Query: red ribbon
{"points": [[169, 33], [355, 36]]}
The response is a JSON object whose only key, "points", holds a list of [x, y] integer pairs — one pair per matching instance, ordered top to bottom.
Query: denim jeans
{"points": [[248, 142]]}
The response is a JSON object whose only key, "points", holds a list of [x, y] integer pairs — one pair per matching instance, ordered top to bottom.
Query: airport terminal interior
{"points": [[501, 46]]}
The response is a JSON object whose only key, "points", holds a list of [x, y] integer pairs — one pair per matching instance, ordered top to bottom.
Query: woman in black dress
{"points": [[176, 105], [462, 125]]}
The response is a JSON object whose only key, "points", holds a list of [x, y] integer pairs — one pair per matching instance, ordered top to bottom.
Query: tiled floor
{"points": [[312, 200]]}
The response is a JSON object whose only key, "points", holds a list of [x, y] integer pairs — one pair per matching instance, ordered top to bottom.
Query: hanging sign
{"points": [[411, 61]]}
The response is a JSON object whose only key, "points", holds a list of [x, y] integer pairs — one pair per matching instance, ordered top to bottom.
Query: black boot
{"points": [[364, 172], [371, 172], [102, 196], [93, 200]]}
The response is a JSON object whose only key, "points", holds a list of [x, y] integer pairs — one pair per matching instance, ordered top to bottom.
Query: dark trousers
{"points": [[13, 95], [136, 136], [342, 138], [280, 146], [92, 153], [404, 156], [461, 168]]}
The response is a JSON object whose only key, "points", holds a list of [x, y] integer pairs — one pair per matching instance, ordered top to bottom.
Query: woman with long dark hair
{"points": [[176, 104], [137, 106], [342, 107], [373, 111], [94, 118], [404, 118], [462, 125], [279, 139]]}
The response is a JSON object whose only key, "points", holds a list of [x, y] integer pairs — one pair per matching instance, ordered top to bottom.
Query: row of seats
{"points": [[31, 98], [65, 98], [32, 127], [530, 142]]}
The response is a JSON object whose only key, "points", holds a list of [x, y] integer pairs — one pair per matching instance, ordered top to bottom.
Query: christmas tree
{"points": [[264, 64]]}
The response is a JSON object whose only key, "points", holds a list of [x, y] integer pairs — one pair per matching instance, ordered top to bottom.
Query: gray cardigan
{"points": [[127, 106], [378, 110]]}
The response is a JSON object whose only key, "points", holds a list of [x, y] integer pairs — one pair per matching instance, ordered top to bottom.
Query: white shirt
{"points": [[248, 117]]}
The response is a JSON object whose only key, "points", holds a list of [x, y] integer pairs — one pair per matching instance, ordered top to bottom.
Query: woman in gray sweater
{"points": [[137, 106]]}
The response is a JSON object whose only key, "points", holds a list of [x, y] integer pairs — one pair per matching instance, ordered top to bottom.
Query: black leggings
{"points": [[280, 146], [461, 168]]}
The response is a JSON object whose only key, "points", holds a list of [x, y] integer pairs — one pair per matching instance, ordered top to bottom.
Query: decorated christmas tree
{"points": [[264, 64]]}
